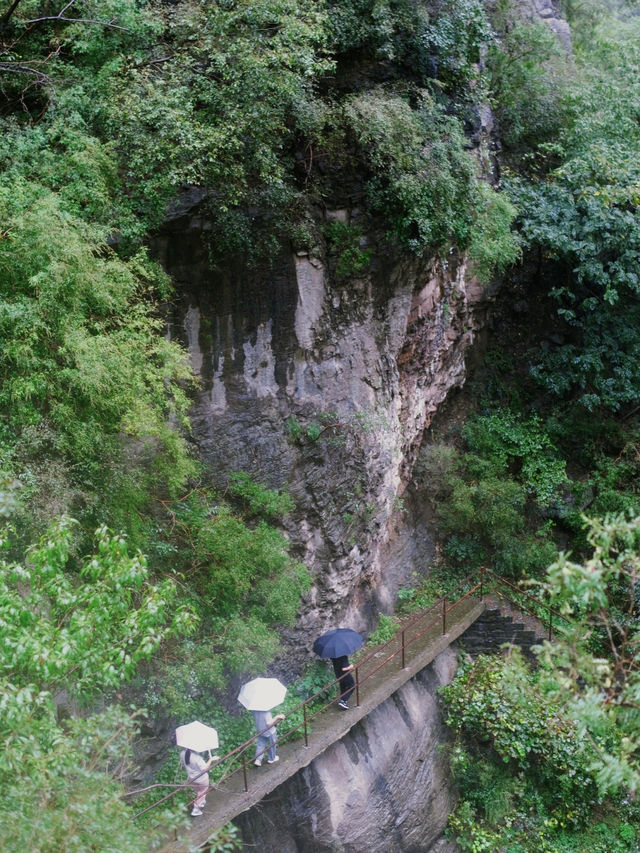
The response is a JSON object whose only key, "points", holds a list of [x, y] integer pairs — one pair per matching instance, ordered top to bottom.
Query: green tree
{"points": [[392, 30], [458, 37], [528, 75], [212, 102], [423, 183], [583, 219], [83, 364], [491, 500], [244, 585], [68, 636], [595, 664], [503, 703], [568, 731]]}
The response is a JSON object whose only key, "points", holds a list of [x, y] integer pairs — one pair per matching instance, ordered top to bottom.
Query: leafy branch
{"points": [[61, 17]]}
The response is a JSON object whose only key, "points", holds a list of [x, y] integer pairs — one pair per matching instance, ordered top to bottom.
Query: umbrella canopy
{"points": [[337, 642], [262, 694], [197, 736]]}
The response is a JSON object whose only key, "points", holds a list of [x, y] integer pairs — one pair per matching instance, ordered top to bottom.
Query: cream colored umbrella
{"points": [[262, 694], [197, 737]]}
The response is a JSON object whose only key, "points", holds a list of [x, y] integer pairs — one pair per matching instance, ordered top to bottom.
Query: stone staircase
{"points": [[500, 624]]}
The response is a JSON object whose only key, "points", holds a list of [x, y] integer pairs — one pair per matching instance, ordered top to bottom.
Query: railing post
{"points": [[481, 582], [444, 615], [550, 623], [402, 667], [357, 688], [306, 735], [244, 772]]}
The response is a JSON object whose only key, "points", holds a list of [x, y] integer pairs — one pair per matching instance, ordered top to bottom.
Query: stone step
{"points": [[495, 629]]}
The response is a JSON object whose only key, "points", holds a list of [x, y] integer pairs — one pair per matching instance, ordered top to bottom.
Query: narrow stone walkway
{"points": [[229, 799]]}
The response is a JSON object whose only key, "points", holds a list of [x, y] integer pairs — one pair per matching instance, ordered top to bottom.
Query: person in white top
{"points": [[196, 768]]}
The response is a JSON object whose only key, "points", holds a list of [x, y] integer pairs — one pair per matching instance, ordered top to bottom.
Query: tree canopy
{"points": [[67, 636]]}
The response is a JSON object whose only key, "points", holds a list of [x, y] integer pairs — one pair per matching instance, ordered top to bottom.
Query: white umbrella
{"points": [[262, 694], [197, 736]]}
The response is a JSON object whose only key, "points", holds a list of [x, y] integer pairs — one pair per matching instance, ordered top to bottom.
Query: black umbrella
{"points": [[337, 642]]}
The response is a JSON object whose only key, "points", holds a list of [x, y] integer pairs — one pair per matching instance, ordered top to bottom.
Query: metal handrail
{"points": [[401, 634]]}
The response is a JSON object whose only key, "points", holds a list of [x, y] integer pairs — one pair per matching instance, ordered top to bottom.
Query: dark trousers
{"points": [[347, 686]]}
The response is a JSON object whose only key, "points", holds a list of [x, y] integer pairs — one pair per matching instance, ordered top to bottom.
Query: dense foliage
{"points": [[529, 72], [273, 112], [583, 216], [82, 363], [492, 497], [242, 583], [74, 630], [67, 636], [597, 663], [552, 753], [547, 759]]}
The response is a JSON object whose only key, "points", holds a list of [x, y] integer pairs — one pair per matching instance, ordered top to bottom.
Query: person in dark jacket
{"points": [[343, 670]]}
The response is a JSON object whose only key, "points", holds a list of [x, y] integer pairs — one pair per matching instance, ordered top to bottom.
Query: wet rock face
{"points": [[548, 11], [325, 386], [370, 791]]}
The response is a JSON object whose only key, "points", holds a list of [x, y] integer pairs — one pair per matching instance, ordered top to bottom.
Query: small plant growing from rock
{"points": [[344, 240]]}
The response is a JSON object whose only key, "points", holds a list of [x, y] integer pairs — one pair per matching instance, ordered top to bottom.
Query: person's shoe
{"points": [[342, 704], [273, 760], [258, 762], [196, 812]]}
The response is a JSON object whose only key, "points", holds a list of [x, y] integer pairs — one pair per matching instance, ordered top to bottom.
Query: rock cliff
{"points": [[325, 385]]}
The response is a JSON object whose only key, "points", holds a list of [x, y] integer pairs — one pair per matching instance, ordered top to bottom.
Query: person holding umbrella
{"points": [[337, 645], [342, 670], [259, 696], [267, 736], [195, 738], [196, 768]]}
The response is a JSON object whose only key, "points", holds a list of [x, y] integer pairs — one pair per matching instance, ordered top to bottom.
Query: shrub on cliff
{"points": [[529, 72], [583, 219], [490, 500], [242, 582], [568, 731]]}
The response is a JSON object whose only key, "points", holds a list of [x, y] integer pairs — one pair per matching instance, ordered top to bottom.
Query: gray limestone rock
{"points": [[325, 387]]}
